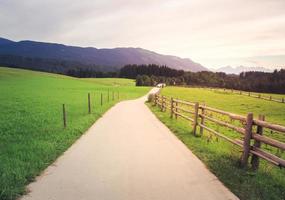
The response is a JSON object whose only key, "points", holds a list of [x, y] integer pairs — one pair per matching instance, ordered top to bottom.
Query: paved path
{"points": [[128, 154]]}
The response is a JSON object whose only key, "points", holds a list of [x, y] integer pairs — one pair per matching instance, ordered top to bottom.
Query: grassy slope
{"points": [[267, 95], [31, 130], [222, 157]]}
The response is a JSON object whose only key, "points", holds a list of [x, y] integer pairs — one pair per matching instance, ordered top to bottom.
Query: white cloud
{"points": [[214, 33]]}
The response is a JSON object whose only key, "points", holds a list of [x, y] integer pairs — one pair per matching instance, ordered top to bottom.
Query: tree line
{"points": [[59, 66], [131, 71], [150, 75], [247, 81]]}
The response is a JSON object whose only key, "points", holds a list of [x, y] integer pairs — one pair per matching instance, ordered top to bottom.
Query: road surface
{"points": [[128, 154]]}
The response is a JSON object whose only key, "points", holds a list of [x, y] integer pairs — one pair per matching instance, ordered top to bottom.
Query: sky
{"points": [[214, 33]]}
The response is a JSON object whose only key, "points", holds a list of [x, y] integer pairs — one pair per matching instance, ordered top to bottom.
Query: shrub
{"points": [[150, 97]]}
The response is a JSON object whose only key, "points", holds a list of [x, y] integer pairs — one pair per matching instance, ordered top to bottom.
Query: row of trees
{"points": [[67, 67], [131, 71], [89, 72], [153, 74], [145, 80], [247, 81], [263, 82]]}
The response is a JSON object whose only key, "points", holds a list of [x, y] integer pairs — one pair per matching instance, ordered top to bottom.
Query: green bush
{"points": [[150, 97]]}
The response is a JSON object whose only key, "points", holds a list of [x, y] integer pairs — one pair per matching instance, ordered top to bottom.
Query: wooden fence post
{"points": [[270, 98], [101, 99], [155, 99], [283, 100], [89, 104], [162, 104], [171, 107], [176, 109], [196, 113], [64, 115], [202, 118], [247, 138], [255, 158]]}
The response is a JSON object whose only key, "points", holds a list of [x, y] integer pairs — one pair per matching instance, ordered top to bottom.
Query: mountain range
{"points": [[55, 57], [239, 69]]}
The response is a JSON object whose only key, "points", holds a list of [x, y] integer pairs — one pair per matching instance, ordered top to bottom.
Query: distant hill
{"points": [[5, 41], [51, 56], [239, 69]]}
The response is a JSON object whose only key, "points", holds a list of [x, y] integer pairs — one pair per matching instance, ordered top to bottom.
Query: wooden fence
{"points": [[252, 94], [64, 110], [252, 132]]}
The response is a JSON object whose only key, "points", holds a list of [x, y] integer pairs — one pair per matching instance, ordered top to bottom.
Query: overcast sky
{"points": [[214, 33]]}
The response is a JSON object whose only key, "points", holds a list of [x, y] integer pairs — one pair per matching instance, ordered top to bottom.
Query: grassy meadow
{"points": [[265, 95], [235, 103], [31, 127], [221, 157]]}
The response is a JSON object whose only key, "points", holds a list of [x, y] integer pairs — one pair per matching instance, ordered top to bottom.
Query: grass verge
{"points": [[31, 128], [222, 157]]}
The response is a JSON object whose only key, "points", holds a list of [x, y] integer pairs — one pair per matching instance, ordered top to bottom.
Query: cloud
{"points": [[210, 32]]}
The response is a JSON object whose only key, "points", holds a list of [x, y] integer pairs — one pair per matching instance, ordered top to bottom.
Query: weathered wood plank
{"points": [[246, 142]]}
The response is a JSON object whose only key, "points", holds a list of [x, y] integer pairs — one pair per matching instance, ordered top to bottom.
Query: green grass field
{"points": [[265, 95], [235, 103], [31, 128], [220, 156]]}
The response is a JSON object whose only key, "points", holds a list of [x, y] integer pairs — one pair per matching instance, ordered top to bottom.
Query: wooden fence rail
{"points": [[259, 96], [249, 129]]}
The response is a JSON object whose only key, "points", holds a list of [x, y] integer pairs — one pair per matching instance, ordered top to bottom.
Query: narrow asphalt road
{"points": [[128, 154]]}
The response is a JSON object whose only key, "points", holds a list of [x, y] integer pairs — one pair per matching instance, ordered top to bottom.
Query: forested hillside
{"points": [[59, 58]]}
